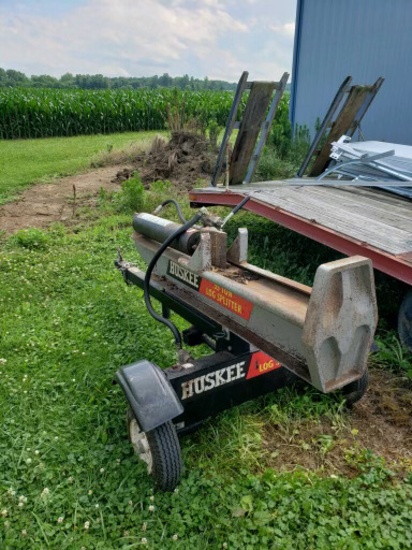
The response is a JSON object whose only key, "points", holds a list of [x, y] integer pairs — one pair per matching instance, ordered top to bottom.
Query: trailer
{"points": [[353, 218], [264, 331]]}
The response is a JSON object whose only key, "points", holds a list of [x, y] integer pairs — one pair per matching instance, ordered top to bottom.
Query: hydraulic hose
{"points": [[177, 206], [236, 209], [150, 267]]}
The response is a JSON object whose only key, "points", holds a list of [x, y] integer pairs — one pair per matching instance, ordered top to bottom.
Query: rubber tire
{"points": [[405, 321], [354, 391], [166, 456]]}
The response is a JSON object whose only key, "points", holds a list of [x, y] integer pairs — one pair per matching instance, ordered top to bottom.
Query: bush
{"points": [[280, 138], [272, 167]]}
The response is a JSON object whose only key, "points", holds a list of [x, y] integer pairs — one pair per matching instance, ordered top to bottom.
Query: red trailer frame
{"points": [[269, 199]]}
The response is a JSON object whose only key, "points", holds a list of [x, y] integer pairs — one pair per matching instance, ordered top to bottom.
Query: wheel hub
{"points": [[140, 444]]}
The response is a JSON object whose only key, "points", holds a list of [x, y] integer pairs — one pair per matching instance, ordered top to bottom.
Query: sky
{"points": [[215, 38]]}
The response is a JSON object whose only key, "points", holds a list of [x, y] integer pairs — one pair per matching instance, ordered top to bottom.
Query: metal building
{"points": [[362, 38]]}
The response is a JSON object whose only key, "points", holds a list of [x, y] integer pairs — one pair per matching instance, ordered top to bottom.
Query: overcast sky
{"points": [[214, 38]]}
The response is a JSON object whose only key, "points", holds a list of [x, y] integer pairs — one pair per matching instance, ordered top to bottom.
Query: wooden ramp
{"points": [[260, 110], [343, 117]]}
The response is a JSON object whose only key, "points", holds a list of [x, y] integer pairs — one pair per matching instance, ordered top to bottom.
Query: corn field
{"points": [[36, 113]]}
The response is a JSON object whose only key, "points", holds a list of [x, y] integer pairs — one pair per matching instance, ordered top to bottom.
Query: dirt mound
{"points": [[184, 160]]}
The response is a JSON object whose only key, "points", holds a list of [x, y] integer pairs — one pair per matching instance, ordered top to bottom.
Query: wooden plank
{"points": [[367, 103], [342, 124], [265, 128], [249, 130], [378, 198], [387, 200], [312, 204], [402, 206], [369, 208], [371, 211], [361, 213], [361, 227]]}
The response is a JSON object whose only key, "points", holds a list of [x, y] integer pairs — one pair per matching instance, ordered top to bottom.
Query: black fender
{"points": [[150, 394]]}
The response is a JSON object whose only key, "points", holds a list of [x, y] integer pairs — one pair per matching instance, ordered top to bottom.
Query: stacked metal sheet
{"points": [[373, 161]]}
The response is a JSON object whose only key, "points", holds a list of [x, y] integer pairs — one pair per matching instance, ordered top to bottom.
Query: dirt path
{"points": [[184, 160], [43, 204]]}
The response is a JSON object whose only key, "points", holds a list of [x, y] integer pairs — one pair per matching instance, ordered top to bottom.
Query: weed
{"points": [[176, 112], [214, 130], [159, 191], [102, 195], [131, 197], [33, 239], [392, 354]]}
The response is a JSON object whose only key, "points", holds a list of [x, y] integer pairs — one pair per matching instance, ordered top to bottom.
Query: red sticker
{"points": [[226, 298], [261, 363]]}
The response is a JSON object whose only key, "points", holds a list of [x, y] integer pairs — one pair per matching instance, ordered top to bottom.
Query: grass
{"points": [[23, 162], [68, 476]]}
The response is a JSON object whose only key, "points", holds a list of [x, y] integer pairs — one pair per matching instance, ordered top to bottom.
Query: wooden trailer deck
{"points": [[352, 220]]}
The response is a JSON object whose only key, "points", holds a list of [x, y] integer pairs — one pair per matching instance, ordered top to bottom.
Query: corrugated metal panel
{"points": [[362, 38]]}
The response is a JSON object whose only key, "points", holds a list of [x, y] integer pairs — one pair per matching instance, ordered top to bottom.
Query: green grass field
{"points": [[23, 162], [68, 476]]}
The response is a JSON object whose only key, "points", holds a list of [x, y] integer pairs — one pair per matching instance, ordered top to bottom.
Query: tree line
{"points": [[11, 79]]}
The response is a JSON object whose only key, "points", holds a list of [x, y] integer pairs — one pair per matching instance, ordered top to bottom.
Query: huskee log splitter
{"points": [[265, 330]]}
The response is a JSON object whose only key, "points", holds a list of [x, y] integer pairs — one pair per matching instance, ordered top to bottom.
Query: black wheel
{"points": [[405, 321], [356, 390], [159, 449]]}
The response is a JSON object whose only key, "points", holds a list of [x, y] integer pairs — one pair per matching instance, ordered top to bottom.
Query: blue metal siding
{"points": [[362, 38]]}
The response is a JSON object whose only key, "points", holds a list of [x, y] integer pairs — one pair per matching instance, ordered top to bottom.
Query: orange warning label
{"points": [[226, 298], [261, 363]]}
